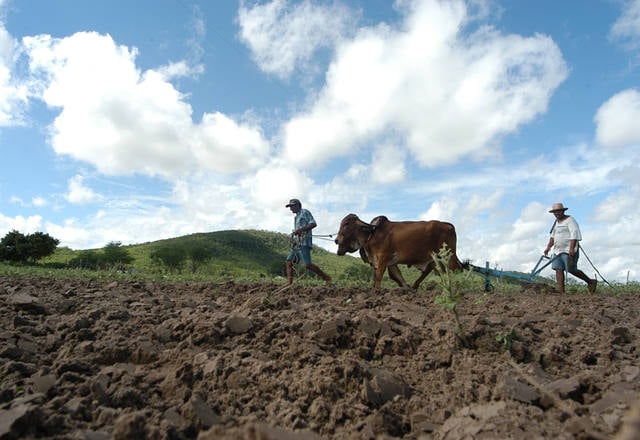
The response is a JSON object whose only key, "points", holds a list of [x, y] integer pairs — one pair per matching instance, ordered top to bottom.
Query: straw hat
{"points": [[558, 207]]}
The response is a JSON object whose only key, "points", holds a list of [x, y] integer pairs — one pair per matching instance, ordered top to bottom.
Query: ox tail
{"points": [[455, 262]]}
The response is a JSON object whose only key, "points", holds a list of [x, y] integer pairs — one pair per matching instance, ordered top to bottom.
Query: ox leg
{"points": [[427, 270], [378, 272], [396, 275], [417, 282]]}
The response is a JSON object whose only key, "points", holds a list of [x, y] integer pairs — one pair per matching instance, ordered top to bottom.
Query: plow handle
{"points": [[536, 270]]}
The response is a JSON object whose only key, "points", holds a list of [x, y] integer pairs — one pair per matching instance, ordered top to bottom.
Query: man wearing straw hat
{"points": [[565, 235]]}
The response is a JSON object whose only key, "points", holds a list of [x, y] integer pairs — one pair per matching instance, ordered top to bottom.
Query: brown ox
{"points": [[385, 244]]}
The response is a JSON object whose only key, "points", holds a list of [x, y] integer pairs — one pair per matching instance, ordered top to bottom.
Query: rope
{"points": [[325, 236], [294, 244], [592, 265]]}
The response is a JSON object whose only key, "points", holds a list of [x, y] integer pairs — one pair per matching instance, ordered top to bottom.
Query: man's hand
{"points": [[549, 245]]}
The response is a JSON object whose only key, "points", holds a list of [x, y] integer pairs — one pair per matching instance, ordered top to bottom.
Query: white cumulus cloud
{"points": [[627, 27], [283, 36], [13, 93], [445, 93], [617, 120], [124, 121], [221, 144], [388, 165], [79, 193], [25, 225]]}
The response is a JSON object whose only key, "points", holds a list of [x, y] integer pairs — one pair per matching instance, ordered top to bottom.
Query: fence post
{"points": [[487, 280]]}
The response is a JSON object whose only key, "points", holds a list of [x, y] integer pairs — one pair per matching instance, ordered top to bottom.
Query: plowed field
{"points": [[99, 360]]}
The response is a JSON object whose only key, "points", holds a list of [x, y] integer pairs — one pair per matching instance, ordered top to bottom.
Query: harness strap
{"points": [[371, 228]]}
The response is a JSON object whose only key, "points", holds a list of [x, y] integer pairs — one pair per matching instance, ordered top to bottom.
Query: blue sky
{"points": [[138, 121]]}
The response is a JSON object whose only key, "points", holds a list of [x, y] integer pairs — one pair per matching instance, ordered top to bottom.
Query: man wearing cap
{"points": [[302, 224], [565, 235]]}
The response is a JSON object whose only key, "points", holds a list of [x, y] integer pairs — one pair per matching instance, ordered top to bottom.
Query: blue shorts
{"points": [[303, 253], [564, 261]]}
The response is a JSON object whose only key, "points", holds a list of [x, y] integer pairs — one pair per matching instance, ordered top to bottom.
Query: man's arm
{"points": [[309, 220], [304, 229], [549, 246]]}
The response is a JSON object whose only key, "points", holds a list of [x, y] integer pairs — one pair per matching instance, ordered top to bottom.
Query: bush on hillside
{"points": [[172, 257]]}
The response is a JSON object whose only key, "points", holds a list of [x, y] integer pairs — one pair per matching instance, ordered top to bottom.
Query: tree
{"points": [[41, 245], [13, 246], [21, 248], [198, 254], [115, 255], [172, 257], [87, 259]]}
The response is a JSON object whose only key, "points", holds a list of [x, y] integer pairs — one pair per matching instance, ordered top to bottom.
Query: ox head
{"points": [[353, 234]]}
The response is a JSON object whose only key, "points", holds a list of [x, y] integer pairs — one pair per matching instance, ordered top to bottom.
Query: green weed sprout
{"points": [[451, 288], [506, 339]]}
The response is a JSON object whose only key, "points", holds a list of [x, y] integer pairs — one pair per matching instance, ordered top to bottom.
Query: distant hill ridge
{"points": [[247, 252]]}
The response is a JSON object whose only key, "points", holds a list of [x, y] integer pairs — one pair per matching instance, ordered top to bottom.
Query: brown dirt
{"points": [[99, 360]]}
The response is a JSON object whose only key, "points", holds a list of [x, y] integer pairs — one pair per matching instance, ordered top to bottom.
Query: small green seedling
{"points": [[451, 288], [506, 339]]}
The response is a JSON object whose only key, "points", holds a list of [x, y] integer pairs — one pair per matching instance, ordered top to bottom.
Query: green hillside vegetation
{"points": [[222, 255], [235, 255]]}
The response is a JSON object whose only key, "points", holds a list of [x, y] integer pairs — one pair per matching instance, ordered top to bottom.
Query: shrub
{"points": [[114, 255], [172, 257], [86, 259], [357, 272], [451, 288]]}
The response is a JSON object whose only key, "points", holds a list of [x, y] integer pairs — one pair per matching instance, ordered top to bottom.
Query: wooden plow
{"points": [[530, 278]]}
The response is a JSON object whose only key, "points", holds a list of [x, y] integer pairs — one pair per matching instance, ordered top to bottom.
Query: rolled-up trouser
{"points": [[304, 253], [566, 262]]}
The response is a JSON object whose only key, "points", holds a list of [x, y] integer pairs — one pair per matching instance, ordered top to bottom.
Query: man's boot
{"points": [[289, 272]]}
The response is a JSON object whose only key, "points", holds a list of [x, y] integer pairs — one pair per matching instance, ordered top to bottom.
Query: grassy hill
{"points": [[235, 254]]}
